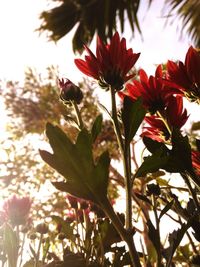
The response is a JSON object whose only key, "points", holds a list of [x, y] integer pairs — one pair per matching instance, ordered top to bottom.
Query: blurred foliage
{"points": [[189, 14], [89, 17], [102, 17], [29, 106]]}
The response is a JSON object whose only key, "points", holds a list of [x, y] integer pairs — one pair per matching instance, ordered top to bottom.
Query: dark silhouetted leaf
{"points": [[132, 116], [96, 127], [84, 178], [165, 209], [153, 235], [174, 239]]}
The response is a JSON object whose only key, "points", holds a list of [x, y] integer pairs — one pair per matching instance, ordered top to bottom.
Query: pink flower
{"points": [[111, 64], [17, 209]]}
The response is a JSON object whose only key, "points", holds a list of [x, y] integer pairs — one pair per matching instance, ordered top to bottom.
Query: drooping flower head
{"points": [[111, 64], [186, 76], [155, 95], [17, 210]]}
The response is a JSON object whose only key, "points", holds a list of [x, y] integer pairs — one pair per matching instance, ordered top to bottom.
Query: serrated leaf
{"points": [[132, 116], [96, 127], [153, 163], [84, 177]]}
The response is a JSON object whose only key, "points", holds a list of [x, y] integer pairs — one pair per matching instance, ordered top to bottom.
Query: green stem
{"points": [[78, 115], [126, 161], [125, 235]]}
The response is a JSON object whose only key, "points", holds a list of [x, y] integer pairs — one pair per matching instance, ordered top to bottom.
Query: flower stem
{"points": [[78, 115], [126, 161], [155, 207], [125, 234], [38, 252]]}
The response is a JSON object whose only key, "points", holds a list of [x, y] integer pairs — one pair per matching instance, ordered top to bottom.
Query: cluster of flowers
{"points": [[162, 94]]}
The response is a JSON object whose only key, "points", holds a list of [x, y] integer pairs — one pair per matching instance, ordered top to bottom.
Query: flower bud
{"points": [[69, 91], [153, 189], [42, 228]]}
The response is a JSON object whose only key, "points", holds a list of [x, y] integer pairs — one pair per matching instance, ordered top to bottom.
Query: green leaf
{"points": [[132, 116], [96, 127], [153, 145], [181, 151], [178, 159], [153, 163], [83, 177], [143, 198], [67, 229], [11, 245]]}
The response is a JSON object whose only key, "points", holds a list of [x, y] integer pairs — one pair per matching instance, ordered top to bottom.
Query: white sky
{"points": [[22, 47]]}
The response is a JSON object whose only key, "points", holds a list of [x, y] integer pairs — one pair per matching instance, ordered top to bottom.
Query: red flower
{"points": [[111, 64], [186, 77], [155, 95], [174, 115], [156, 129], [196, 161], [17, 209]]}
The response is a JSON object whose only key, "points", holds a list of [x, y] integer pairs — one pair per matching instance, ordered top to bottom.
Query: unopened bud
{"points": [[69, 91], [153, 189], [42, 228]]}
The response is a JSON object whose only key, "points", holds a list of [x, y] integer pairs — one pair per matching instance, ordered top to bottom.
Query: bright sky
{"points": [[21, 46]]}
